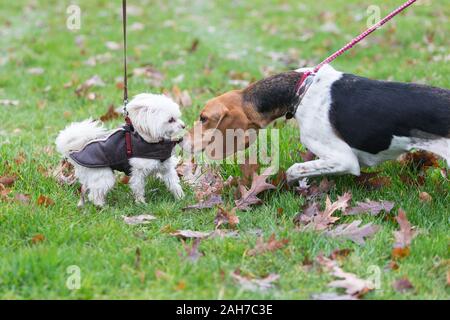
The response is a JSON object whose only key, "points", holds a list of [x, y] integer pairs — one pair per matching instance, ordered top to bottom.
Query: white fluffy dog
{"points": [[154, 118]]}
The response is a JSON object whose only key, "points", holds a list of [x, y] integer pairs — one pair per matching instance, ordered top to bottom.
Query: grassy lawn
{"points": [[241, 40]]}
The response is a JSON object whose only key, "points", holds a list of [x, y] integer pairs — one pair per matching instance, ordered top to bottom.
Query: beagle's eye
{"points": [[203, 119], [172, 120]]}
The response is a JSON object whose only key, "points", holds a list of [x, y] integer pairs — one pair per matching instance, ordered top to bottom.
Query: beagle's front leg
{"points": [[319, 167]]}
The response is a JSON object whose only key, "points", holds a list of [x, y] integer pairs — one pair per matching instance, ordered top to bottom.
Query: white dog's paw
{"points": [[178, 192]]}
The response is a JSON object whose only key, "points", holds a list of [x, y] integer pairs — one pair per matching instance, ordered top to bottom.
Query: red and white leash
{"points": [[300, 87]]}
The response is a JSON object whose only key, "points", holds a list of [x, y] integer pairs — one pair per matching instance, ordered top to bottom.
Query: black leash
{"points": [[125, 80], [129, 125]]}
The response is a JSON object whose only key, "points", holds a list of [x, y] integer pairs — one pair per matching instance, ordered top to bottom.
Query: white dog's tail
{"points": [[76, 135]]}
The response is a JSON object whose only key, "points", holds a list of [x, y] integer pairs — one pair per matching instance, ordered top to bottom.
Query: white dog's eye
{"points": [[172, 120]]}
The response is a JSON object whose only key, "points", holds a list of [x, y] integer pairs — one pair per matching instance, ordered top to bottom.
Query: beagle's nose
{"points": [[183, 126]]}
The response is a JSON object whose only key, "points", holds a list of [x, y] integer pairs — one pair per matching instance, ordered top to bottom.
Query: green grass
{"points": [[102, 245]]}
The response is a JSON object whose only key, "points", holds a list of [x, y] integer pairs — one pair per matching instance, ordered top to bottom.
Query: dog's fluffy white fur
{"points": [[153, 117]]}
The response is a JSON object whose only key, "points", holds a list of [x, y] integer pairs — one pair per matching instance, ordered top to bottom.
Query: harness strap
{"points": [[128, 130]]}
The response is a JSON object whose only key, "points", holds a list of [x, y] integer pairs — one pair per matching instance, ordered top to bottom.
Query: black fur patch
{"points": [[275, 94], [368, 113]]}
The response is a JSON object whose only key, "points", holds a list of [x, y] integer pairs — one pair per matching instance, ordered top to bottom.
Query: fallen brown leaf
{"points": [[110, 114], [20, 158], [204, 180], [8, 181], [313, 191], [4, 192], [249, 197], [45, 201], [212, 201], [372, 207], [226, 217], [314, 219], [353, 232], [186, 234], [403, 237], [37, 238], [271, 245], [191, 252], [340, 254], [255, 284], [352, 285], [402, 285], [180, 286]]}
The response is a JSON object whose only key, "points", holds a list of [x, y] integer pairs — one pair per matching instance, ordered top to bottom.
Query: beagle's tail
{"points": [[76, 135]]}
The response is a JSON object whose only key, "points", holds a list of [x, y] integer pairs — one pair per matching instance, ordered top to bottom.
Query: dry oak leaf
{"points": [[204, 180], [8, 181], [259, 184], [314, 191], [211, 202], [372, 207], [226, 217], [139, 219], [320, 220], [353, 231], [186, 234], [403, 237], [271, 245], [191, 252], [255, 284], [353, 285]]}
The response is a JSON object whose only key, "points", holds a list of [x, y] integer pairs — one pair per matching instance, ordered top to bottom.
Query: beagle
{"points": [[348, 121]]}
